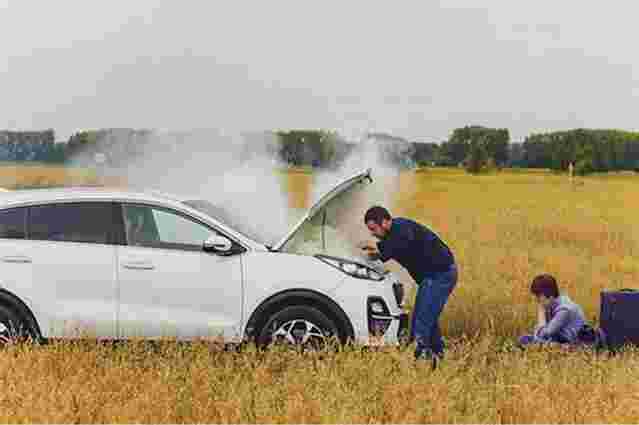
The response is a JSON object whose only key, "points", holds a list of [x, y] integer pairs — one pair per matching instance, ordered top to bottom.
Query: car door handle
{"points": [[16, 259], [138, 265]]}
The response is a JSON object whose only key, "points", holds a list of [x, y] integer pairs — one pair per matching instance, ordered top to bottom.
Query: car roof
{"points": [[83, 193]]}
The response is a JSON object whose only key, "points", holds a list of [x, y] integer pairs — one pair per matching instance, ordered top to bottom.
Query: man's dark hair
{"points": [[377, 214], [544, 284]]}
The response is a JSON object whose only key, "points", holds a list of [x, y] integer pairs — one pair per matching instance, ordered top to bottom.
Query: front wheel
{"points": [[299, 326]]}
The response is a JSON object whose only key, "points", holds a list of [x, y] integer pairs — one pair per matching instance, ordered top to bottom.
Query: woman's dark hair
{"points": [[377, 214], [544, 284]]}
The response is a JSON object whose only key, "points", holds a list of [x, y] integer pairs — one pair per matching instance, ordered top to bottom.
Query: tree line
{"points": [[31, 146], [476, 148], [587, 150]]}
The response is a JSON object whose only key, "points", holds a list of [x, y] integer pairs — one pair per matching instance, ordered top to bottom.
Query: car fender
{"points": [[267, 273], [271, 277], [308, 297]]}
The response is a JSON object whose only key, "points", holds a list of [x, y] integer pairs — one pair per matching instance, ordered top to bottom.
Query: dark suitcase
{"points": [[619, 319]]}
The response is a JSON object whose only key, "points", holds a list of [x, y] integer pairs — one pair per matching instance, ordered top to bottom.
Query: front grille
{"points": [[398, 290]]}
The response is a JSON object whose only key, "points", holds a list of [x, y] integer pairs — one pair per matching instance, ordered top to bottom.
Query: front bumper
{"points": [[387, 321], [397, 333], [403, 333]]}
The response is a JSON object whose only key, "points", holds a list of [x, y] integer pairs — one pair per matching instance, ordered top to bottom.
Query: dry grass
{"points": [[18, 176], [298, 184], [503, 228], [87, 383]]}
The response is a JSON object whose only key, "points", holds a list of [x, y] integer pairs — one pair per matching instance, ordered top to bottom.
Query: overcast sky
{"points": [[413, 69]]}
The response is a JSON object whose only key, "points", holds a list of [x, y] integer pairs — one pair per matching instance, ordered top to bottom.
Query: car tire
{"points": [[299, 326], [13, 328]]}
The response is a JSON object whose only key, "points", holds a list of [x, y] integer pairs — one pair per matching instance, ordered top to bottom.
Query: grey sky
{"points": [[414, 69]]}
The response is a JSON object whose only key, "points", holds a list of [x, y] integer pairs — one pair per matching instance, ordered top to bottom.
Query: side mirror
{"points": [[217, 243]]}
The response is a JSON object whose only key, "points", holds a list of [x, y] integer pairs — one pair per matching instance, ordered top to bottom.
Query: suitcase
{"points": [[619, 318]]}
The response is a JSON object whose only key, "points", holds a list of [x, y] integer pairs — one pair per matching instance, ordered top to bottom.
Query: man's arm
{"points": [[386, 249]]}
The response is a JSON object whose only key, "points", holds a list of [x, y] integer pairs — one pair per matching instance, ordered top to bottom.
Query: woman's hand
{"points": [[541, 315]]}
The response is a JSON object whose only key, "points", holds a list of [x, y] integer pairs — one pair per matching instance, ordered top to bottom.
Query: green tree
{"points": [[475, 145], [317, 148], [425, 153], [477, 157]]}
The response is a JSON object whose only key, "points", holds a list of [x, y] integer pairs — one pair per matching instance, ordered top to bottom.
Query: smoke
{"points": [[381, 155], [236, 172], [340, 231]]}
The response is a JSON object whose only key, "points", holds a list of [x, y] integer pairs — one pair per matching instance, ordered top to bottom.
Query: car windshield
{"points": [[223, 216]]}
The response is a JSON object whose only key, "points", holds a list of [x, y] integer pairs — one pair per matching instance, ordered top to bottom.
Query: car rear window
{"points": [[90, 222], [13, 223]]}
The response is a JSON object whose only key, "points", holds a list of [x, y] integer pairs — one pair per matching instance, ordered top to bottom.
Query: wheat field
{"points": [[15, 175], [504, 228]]}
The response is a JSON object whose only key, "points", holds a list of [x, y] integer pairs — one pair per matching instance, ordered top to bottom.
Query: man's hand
{"points": [[367, 246], [369, 249]]}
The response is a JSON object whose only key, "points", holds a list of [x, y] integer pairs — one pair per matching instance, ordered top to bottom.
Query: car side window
{"points": [[87, 222], [13, 223], [160, 228]]}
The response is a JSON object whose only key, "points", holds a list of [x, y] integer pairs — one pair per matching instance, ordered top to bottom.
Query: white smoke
{"points": [[368, 153], [237, 172], [343, 228]]}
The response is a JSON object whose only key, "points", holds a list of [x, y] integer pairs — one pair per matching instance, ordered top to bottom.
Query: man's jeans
{"points": [[432, 295]]}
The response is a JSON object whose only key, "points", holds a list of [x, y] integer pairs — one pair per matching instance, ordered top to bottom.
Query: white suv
{"points": [[116, 264]]}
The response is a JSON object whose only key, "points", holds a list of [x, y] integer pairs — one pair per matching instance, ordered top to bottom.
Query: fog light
{"points": [[377, 307], [379, 319]]}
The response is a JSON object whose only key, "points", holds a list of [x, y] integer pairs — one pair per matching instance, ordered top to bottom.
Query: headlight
{"points": [[352, 268]]}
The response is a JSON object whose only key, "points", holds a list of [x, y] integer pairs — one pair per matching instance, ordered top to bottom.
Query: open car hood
{"points": [[322, 213], [334, 225]]}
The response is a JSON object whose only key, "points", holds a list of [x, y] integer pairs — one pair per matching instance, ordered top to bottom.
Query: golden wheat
{"points": [[17, 176], [504, 229]]}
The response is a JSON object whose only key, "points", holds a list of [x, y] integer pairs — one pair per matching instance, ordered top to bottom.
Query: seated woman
{"points": [[559, 319]]}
